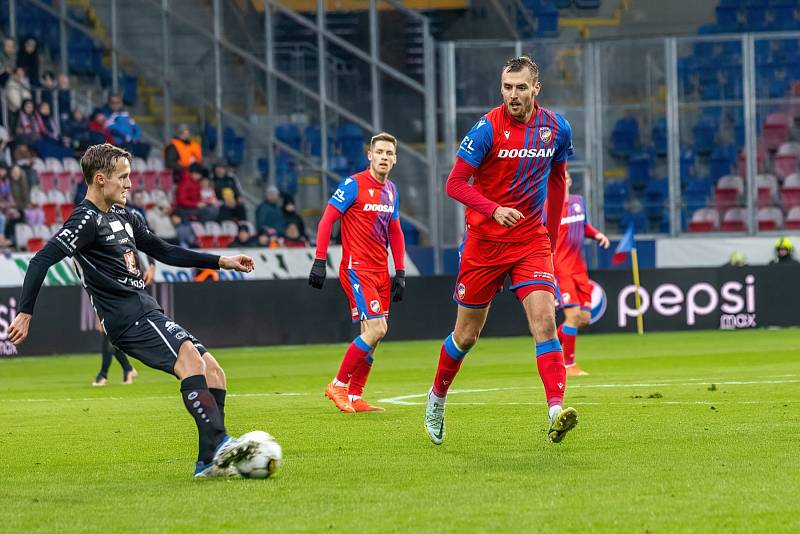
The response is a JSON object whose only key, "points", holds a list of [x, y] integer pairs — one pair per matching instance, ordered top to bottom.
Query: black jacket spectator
{"points": [[28, 59], [290, 216]]}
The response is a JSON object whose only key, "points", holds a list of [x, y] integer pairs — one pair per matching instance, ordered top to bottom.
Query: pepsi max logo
{"points": [[599, 302]]}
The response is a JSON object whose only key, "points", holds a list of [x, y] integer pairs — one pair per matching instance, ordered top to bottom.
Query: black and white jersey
{"points": [[103, 246]]}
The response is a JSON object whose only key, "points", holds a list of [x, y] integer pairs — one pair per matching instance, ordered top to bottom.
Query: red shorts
{"points": [[485, 265], [574, 289], [368, 293]]}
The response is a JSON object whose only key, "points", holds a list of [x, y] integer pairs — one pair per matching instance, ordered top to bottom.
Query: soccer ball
{"points": [[265, 460]]}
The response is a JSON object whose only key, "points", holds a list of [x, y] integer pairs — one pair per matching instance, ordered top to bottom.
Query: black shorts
{"points": [[155, 340]]}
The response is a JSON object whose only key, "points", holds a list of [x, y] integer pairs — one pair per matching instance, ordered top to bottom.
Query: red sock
{"points": [[567, 335], [356, 353], [450, 358], [550, 361], [359, 378]]}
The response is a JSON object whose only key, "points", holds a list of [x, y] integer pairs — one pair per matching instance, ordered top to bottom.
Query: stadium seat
{"points": [[587, 4], [728, 18], [547, 19], [755, 19], [776, 130], [704, 133], [289, 134], [659, 136], [625, 137], [350, 139], [761, 160], [785, 161], [721, 162], [155, 163], [53, 164], [687, 164], [38, 165], [71, 165], [139, 165], [639, 170], [47, 180], [149, 180], [166, 180], [64, 181], [767, 189], [727, 191], [790, 192], [696, 193], [655, 195], [38, 196], [56, 196], [615, 196], [66, 210], [50, 212], [769, 218], [636, 219], [704, 220], [734, 220], [792, 221], [213, 228], [229, 228], [43, 231], [22, 232], [224, 241], [35, 244]]}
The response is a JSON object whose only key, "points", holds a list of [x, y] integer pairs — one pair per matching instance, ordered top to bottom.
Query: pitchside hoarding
{"points": [[268, 312]]}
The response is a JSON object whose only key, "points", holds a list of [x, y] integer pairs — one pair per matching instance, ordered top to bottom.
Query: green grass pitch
{"points": [[678, 432]]}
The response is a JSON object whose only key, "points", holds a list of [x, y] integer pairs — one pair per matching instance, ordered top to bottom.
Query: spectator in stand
{"points": [[28, 59], [8, 60], [49, 87], [18, 89], [64, 96], [98, 127], [75, 128], [124, 130], [27, 131], [50, 143], [5, 146], [182, 151], [22, 156], [223, 180], [21, 194], [187, 196], [136, 203], [209, 203], [230, 209], [269, 213], [9, 214], [290, 216], [160, 222], [183, 229], [243, 238], [268, 238], [293, 238], [784, 253]]}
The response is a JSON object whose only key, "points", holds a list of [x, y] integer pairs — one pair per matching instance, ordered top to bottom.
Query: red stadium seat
{"points": [[776, 130], [785, 162], [47, 180], [150, 180], [64, 181], [166, 183], [767, 188], [728, 190], [790, 192], [50, 210], [66, 211], [770, 218], [704, 220], [734, 220], [792, 221], [207, 241], [224, 241], [35, 244]]}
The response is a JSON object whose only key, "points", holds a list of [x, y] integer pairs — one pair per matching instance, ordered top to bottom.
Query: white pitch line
{"points": [[160, 397], [402, 399], [615, 403]]}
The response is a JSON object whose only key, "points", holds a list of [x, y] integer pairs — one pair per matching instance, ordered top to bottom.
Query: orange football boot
{"points": [[574, 370], [338, 394], [360, 405]]}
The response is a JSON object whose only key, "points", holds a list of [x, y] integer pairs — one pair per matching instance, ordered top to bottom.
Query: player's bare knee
{"points": [[583, 319], [466, 338], [189, 362], [215, 375]]}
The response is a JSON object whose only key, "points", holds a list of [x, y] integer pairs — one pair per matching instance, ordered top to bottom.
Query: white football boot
{"points": [[434, 418]]}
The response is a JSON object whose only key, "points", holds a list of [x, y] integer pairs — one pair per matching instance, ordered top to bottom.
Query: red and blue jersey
{"points": [[512, 161], [367, 207], [573, 230]]}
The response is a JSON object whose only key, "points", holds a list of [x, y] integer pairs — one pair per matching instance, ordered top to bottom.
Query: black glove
{"points": [[317, 276], [398, 286]]}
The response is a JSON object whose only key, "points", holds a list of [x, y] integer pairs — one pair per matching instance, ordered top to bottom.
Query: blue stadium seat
{"points": [[562, 4], [587, 4], [728, 18], [755, 18], [546, 20], [128, 88], [710, 91], [704, 132], [289, 134], [313, 135], [659, 136], [209, 137], [625, 137], [350, 139], [232, 146], [721, 161], [687, 164], [263, 167], [639, 170], [656, 194], [696, 194], [615, 195], [636, 219]]}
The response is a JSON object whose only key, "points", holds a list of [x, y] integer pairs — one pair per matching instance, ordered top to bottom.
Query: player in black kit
{"points": [[104, 239]]}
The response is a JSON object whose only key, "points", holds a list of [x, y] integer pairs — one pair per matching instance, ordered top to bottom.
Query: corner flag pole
{"points": [[635, 267]]}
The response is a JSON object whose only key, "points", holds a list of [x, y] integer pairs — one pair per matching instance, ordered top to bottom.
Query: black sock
{"points": [[106, 350], [122, 358], [219, 396], [201, 405]]}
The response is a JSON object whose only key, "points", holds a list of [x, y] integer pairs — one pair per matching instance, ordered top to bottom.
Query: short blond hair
{"points": [[383, 136], [101, 158]]}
